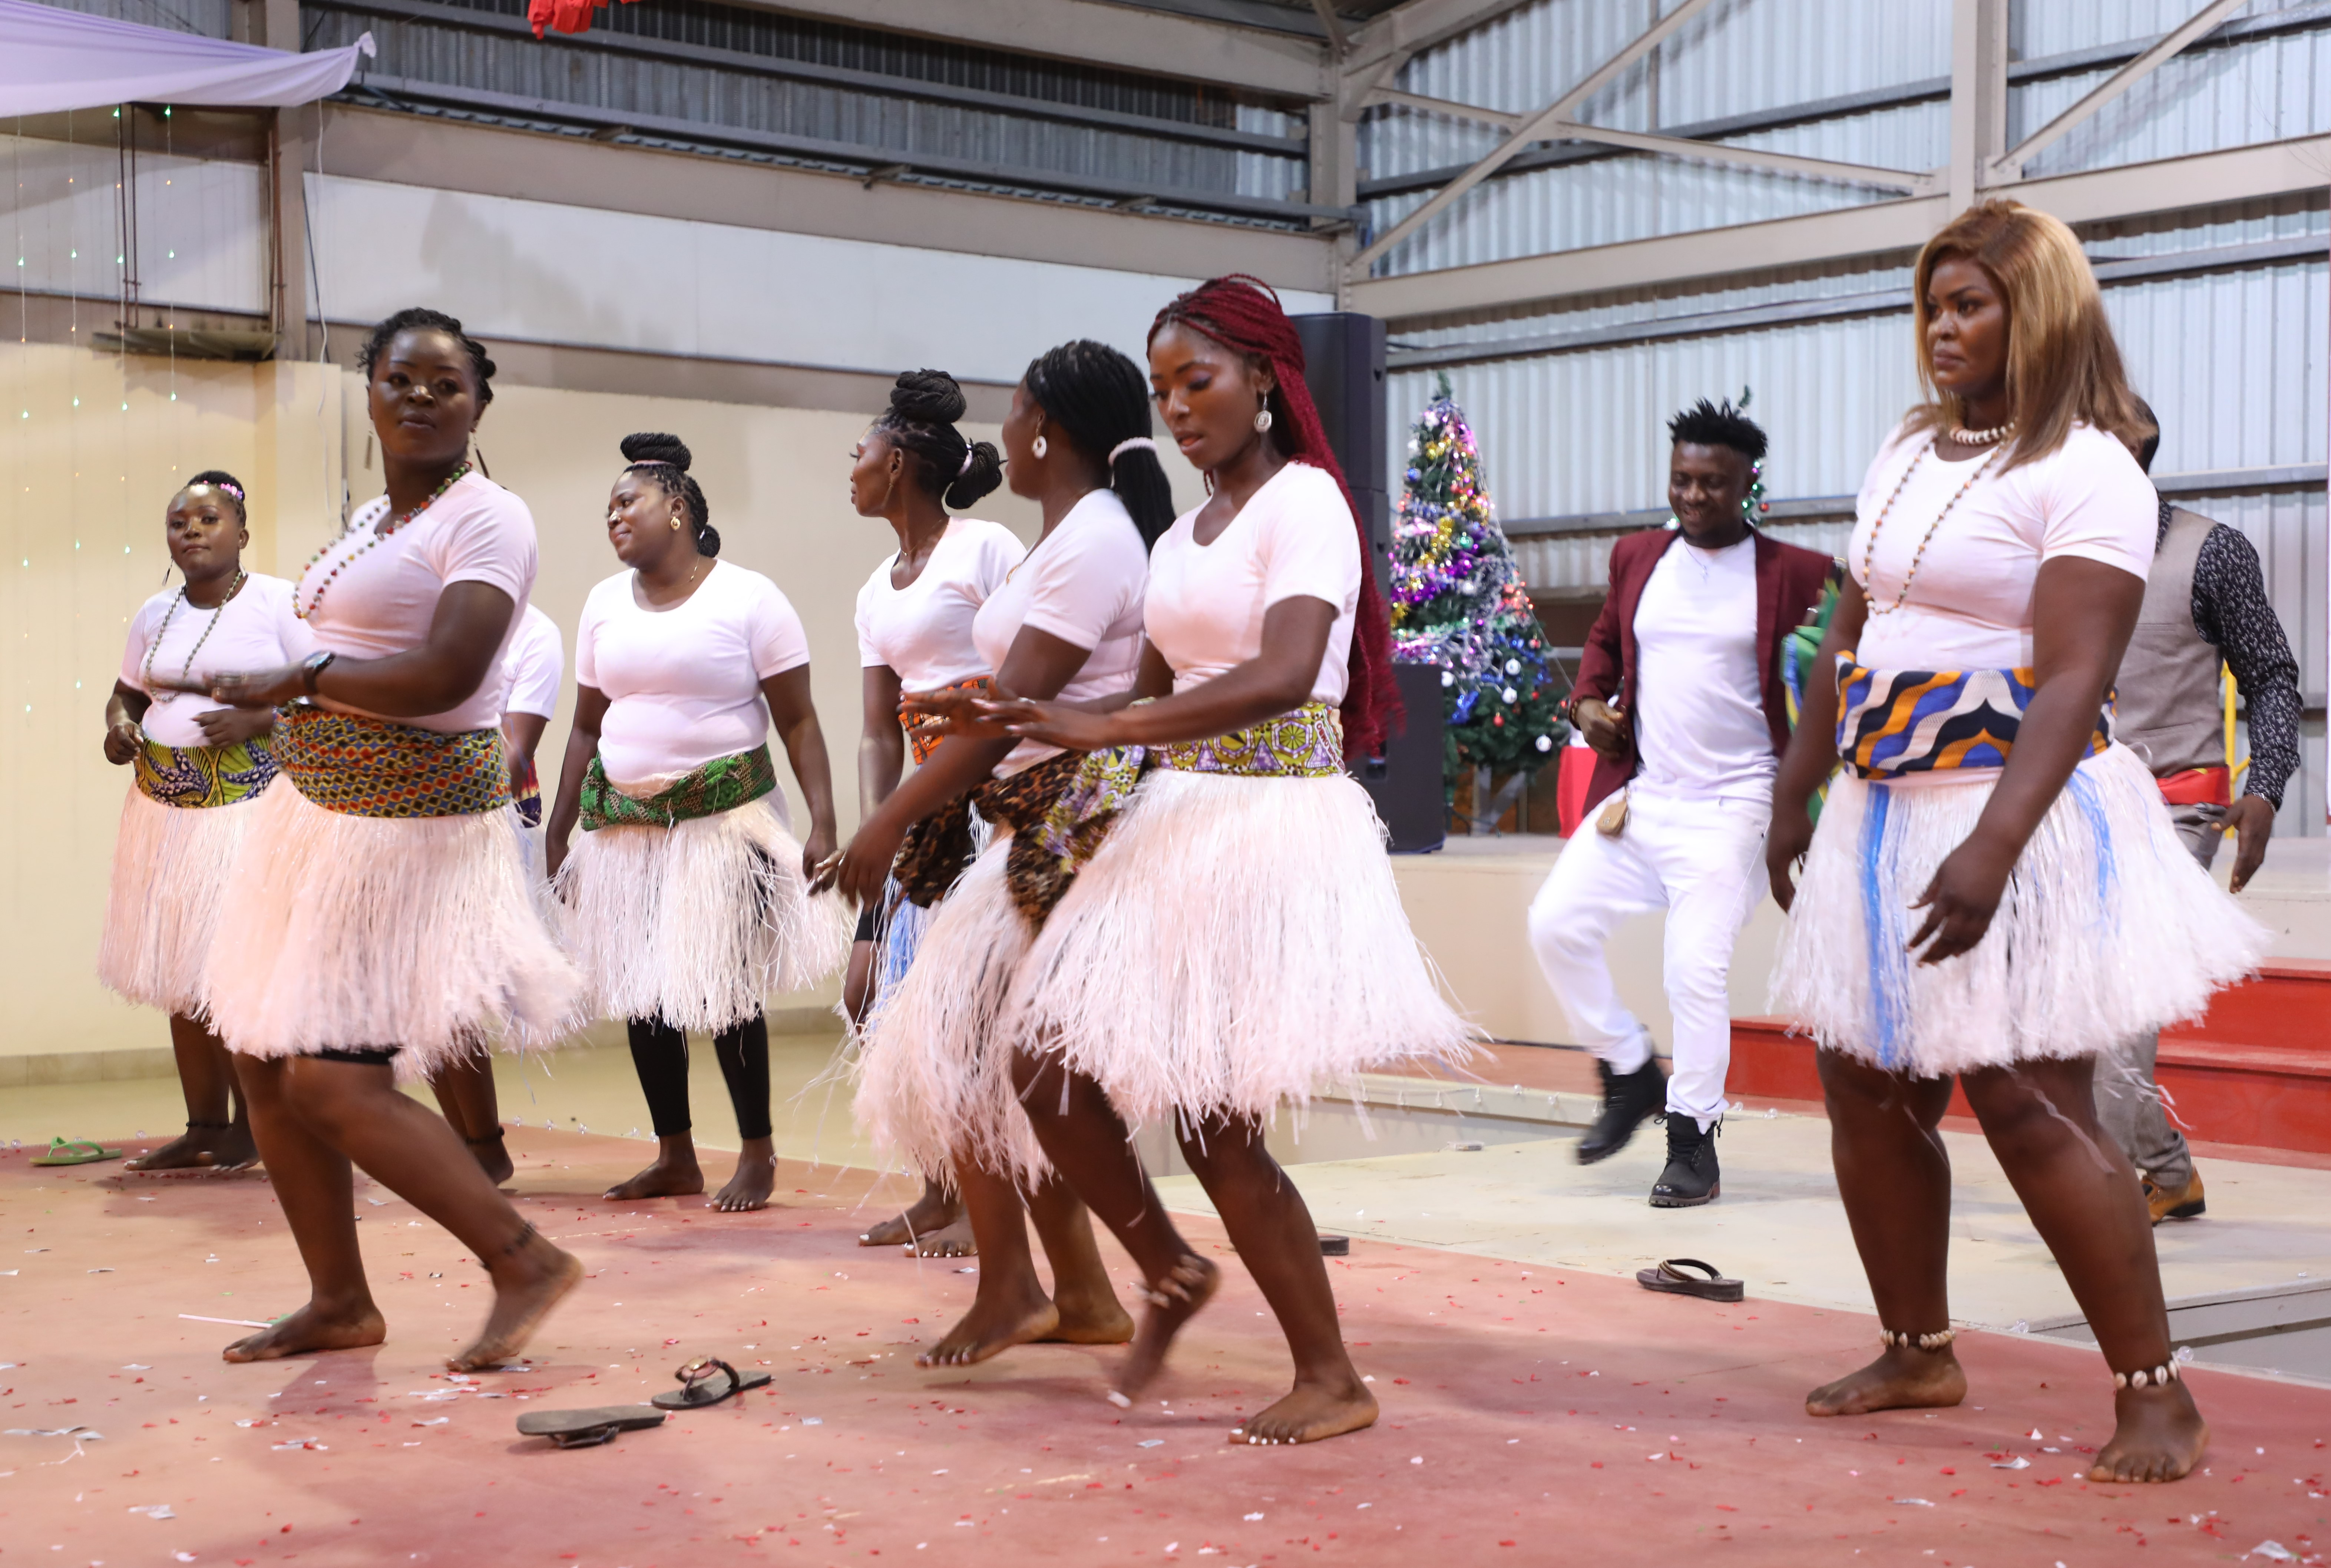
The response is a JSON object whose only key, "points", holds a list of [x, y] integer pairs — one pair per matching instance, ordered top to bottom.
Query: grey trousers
{"points": [[2128, 1103]]}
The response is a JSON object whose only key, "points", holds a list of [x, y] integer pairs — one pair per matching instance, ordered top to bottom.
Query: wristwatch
{"points": [[312, 668]]}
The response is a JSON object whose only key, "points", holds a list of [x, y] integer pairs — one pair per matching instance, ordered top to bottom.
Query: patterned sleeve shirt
{"points": [[2231, 613]]}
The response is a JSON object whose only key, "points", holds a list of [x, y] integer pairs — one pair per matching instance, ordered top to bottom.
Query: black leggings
{"points": [[660, 1052]]}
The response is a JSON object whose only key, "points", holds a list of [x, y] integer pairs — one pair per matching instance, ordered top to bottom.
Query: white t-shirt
{"points": [[1294, 539], [1082, 583], [385, 596], [1970, 607], [253, 631], [922, 631], [534, 666], [683, 685], [1699, 716]]}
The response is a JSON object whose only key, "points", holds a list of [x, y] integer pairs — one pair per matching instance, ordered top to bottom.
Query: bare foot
{"points": [[202, 1146], [493, 1156], [674, 1175], [750, 1188], [927, 1215], [952, 1239], [524, 1290], [1173, 1302], [1090, 1319], [990, 1328], [311, 1330], [1903, 1377], [1310, 1413], [2159, 1436]]}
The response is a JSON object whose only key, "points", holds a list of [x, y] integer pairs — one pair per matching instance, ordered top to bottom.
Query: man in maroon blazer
{"points": [[1680, 694]]}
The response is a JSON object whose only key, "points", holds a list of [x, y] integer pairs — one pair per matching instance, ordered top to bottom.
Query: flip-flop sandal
{"points": [[75, 1151], [1669, 1277], [697, 1389], [587, 1429]]}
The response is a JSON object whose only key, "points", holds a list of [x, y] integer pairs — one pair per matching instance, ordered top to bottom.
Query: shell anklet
{"points": [[1894, 1339]]}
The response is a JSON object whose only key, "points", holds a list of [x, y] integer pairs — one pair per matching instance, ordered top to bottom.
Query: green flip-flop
{"points": [[75, 1151]]}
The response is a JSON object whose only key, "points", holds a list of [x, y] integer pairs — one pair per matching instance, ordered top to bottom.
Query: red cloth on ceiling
{"points": [[563, 15]]}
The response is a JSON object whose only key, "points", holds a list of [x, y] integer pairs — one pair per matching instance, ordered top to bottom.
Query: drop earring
{"points": [[1262, 420], [1037, 449], [675, 521]]}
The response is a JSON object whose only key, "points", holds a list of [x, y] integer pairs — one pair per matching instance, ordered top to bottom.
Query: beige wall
{"points": [[85, 489]]}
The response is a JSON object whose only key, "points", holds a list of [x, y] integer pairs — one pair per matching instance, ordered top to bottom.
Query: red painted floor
{"points": [[1530, 1416]]}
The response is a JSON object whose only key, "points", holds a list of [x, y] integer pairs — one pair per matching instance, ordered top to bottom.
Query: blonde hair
{"points": [[2063, 366]]}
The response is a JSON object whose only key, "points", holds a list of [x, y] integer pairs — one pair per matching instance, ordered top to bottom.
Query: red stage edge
{"points": [[2255, 1070]]}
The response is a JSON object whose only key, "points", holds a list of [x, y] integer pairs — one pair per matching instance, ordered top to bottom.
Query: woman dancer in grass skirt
{"points": [[914, 634], [199, 770], [1996, 891], [686, 899], [385, 923], [1237, 941], [935, 1076]]}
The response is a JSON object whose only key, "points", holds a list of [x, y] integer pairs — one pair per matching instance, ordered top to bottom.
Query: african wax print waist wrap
{"points": [[1893, 722], [926, 730], [374, 767], [203, 775], [722, 784], [1061, 808]]}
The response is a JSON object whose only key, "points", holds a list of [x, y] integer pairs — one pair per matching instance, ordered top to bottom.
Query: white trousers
{"points": [[1703, 862]]}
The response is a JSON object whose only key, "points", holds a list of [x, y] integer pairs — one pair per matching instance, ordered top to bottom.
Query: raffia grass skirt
{"points": [[170, 869], [697, 924], [2108, 928], [347, 932], [1236, 945], [934, 1074]]}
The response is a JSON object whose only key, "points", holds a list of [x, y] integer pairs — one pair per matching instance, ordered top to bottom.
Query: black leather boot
{"points": [[1628, 1098], [1691, 1177]]}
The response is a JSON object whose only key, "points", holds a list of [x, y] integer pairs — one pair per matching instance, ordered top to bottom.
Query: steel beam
{"points": [[1418, 24], [1978, 96], [1533, 129], [2010, 165], [1903, 180], [1878, 228]]}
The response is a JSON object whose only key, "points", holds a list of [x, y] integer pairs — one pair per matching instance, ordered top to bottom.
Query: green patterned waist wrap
{"points": [[373, 767], [198, 776], [722, 784], [1061, 808]]}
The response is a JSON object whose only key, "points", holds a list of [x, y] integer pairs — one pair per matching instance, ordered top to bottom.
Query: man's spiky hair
{"points": [[1704, 424]]}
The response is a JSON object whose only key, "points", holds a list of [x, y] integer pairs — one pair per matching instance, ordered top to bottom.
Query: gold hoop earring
{"points": [[675, 522]]}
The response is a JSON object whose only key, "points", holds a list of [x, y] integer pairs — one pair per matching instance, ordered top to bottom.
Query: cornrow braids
{"points": [[1243, 314], [418, 317], [1100, 400], [920, 422], [665, 459]]}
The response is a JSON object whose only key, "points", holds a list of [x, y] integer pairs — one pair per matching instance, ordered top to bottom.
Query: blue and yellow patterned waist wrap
{"points": [[1892, 723], [372, 767], [195, 777]]}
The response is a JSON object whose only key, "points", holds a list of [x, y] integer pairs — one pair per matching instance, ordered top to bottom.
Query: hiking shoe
{"points": [[1628, 1098], [1691, 1177]]}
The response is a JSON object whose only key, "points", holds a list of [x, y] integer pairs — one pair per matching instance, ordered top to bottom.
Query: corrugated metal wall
{"points": [[210, 18]]}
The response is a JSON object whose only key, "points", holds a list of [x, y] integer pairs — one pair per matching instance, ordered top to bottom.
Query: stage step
{"points": [[2255, 1070]]}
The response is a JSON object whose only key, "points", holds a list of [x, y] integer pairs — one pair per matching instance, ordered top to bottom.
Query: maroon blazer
{"points": [[1789, 582]]}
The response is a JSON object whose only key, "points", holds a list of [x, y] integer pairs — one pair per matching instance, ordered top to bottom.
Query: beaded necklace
{"points": [[380, 531], [1869, 545], [146, 676]]}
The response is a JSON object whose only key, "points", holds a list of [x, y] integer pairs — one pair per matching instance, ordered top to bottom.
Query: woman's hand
{"points": [[258, 687], [954, 711], [1052, 723], [233, 726], [1604, 726], [122, 739], [1786, 838], [816, 850], [862, 869], [1961, 900]]}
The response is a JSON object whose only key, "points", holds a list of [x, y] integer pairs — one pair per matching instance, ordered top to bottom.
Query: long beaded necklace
{"points": [[380, 531], [1869, 545], [146, 676]]}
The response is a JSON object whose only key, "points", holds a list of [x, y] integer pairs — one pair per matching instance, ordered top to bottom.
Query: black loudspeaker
{"points": [[1344, 367], [1405, 782]]}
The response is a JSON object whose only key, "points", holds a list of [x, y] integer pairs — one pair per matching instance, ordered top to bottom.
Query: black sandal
{"points": [[1669, 1278], [697, 1390], [587, 1429]]}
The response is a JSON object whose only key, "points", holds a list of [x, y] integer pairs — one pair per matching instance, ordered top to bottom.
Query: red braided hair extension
{"points": [[1243, 315]]}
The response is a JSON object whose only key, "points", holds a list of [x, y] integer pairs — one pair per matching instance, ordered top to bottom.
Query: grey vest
{"points": [[2172, 710]]}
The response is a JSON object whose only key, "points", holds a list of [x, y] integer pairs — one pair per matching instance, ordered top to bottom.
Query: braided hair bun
{"points": [[920, 422], [665, 459]]}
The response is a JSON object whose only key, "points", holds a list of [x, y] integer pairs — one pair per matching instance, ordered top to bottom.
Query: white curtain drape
{"points": [[52, 60]]}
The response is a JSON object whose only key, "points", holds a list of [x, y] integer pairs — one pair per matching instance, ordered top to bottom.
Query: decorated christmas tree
{"points": [[1458, 601]]}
